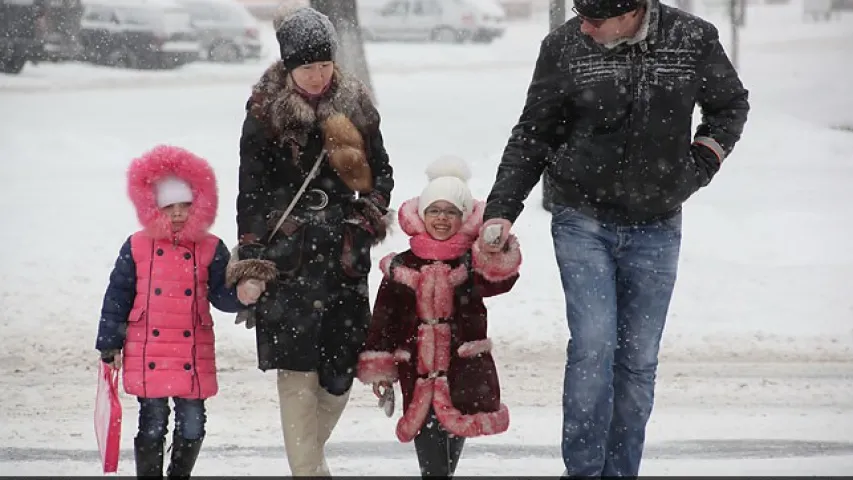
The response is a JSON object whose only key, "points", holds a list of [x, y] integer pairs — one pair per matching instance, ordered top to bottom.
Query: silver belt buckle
{"points": [[324, 199]]}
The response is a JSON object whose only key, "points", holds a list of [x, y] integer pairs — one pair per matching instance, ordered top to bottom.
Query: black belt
{"points": [[315, 199]]}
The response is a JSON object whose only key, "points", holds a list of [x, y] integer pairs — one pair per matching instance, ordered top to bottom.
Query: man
{"points": [[608, 119]]}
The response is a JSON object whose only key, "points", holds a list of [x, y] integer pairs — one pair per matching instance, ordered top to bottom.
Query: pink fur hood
{"points": [[161, 162], [412, 223]]}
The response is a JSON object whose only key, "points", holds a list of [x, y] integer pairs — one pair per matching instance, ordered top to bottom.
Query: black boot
{"points": [[438, 452], [184, 454], [149, 457]]}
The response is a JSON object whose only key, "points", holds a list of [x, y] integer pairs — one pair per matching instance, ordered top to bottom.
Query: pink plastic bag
{"points": [[108, 417]]}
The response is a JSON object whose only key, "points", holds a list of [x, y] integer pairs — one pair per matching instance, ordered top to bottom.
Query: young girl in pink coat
{"points": [[155, 322], [429, 327]]}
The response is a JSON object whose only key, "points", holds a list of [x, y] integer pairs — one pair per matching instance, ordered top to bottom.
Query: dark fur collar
{"points": [[289, 117]]}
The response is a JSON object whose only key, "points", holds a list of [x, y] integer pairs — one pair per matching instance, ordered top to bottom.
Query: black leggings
{"points": [[438, 451]]}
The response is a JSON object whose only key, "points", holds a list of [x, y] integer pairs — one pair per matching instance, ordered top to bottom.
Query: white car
{"points": [[447, 21]]}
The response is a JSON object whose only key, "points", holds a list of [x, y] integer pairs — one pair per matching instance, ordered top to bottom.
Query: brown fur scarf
{"points": [[346, 115]]}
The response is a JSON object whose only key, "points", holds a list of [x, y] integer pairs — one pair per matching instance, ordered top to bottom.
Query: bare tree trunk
{"points": [[344, 15]]}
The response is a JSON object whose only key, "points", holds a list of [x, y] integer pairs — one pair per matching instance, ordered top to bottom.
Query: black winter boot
{"points": [[184, 454], [149, 457]]}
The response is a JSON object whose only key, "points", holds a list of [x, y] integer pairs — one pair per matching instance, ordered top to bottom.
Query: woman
{"points": [[306, 116]]}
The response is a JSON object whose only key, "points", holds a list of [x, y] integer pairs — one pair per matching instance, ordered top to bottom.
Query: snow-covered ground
{"points": [[757, 369]]}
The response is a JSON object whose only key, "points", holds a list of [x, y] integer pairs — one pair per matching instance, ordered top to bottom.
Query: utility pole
{"points": [[737, 16], [556, 17]]}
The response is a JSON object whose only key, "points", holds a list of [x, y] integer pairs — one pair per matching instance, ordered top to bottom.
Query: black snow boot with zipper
{"points": [[184, 454], [149, 457]]}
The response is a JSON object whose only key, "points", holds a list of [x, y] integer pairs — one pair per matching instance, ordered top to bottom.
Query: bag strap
{"points": [[311, 174]]}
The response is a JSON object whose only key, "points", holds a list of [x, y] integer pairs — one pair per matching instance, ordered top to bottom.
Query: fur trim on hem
{"points": [[496, 267], [265, 270], [474, 348], [376, 366], [436, 393], [470, 425]]}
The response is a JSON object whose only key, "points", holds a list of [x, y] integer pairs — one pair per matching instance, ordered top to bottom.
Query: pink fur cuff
{"points": [[474, 348], [375, 366]]}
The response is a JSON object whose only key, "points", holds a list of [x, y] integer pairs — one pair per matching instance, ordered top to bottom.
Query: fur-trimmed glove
{"points": [[247, 262]]}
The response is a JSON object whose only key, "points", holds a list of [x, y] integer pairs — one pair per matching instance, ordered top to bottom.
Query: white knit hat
{"points": [[448, 180], [172, 190]]}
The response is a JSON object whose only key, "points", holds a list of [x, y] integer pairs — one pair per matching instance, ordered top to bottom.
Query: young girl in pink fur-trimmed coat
{"points": [[156, 324], [429, 328]]}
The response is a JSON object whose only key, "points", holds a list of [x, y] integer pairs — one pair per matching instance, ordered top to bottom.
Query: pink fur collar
{"points": [[159, 163]]}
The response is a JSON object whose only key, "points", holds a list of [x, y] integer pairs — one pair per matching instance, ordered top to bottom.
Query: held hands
{"points": [[494, 234], [249, 290]]}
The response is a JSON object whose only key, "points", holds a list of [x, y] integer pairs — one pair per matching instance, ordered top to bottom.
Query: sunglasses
{"points": [[595, 22]]}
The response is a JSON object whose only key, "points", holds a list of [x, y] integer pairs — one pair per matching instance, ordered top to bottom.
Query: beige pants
{"points": [[308, 415]]}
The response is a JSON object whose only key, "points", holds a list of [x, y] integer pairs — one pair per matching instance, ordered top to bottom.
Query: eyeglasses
{"points": [[595, 22], [447, 212]]}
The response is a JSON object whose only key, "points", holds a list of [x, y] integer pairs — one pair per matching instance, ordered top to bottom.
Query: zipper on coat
{"points": [[635, 109], [145, 313], [196, 320]]}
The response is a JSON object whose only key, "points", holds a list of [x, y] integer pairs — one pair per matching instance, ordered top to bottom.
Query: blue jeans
{"points": [[618, 282], [190, 418]]}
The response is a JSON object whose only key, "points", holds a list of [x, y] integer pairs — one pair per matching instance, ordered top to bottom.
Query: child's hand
{"points": [[250, 290], [112, 358], [379, 388], [385, 392]]}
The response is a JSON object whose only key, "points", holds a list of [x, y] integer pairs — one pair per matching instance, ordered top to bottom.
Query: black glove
{"points": [[707, 163], [250, 250], [108, 356]]}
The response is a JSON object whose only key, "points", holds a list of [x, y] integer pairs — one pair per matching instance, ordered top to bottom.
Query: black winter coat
{"points": [[612, 128], [314, 317]]}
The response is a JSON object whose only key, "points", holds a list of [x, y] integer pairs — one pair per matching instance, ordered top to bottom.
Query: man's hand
{"points": [[493, 235], [250, 290]]}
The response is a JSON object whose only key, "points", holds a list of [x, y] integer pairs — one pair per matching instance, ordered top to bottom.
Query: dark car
{"points": [[38, 30], [143, 35]]}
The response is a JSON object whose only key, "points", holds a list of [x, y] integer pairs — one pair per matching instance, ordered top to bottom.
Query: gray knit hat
{"points": [[605, 8], [305, 36]]}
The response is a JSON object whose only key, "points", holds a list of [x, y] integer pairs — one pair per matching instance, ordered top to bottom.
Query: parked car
{"points": [[266, 9], [446, 21], [38, 30], [227, 31], [138, 34]]}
